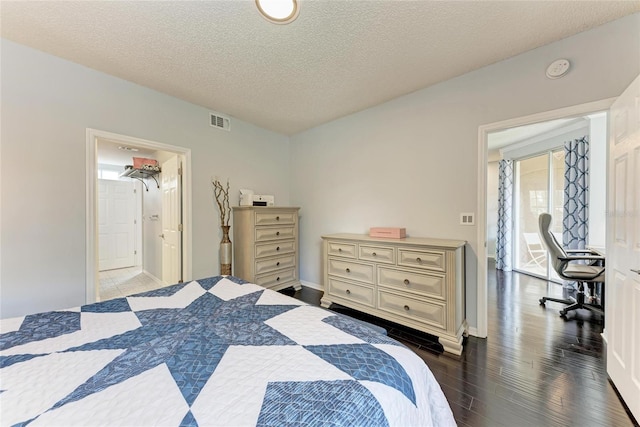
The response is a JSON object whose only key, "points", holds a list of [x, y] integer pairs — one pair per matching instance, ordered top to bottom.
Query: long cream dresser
{"points": [[265, 246], [417, 282]]}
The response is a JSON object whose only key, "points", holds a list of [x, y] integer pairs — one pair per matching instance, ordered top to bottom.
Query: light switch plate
{"points": [[467, 218]]}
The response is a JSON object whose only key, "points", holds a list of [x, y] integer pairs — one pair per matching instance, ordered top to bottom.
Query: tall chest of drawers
{"points": [[265, 246], [416, 282]]}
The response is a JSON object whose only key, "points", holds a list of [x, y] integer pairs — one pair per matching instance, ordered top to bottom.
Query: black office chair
{"points": [[564, 263]]}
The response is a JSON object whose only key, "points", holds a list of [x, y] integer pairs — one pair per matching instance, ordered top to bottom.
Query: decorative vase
{"points": [[225, 252]]}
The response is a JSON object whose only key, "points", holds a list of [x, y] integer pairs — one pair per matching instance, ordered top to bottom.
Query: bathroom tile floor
{"points": [[125, 281]]}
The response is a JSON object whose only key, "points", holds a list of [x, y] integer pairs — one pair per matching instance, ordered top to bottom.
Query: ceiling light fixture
{"points": [[278, 11], [125, 148]]}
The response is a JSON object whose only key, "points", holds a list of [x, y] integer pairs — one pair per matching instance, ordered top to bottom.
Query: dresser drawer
{"points": [[273, 218], [274, 233], [275, 248], [347, 250], [377, 254], [429, 260], [270, 264], [351, 270], [276, 278], [430, 285], [352, 292], [431, 313]]}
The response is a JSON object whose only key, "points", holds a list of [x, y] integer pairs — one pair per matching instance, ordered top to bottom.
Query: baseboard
{"points": [[154, 278], [312, 285], [473, 331]]}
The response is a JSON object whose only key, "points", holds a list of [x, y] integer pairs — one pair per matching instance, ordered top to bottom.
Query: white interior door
{"points": [[116, 216], [171, 222], [623, 248]]}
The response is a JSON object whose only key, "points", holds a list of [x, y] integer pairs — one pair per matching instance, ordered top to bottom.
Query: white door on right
{"points": [[171, 222], [622, 284]]}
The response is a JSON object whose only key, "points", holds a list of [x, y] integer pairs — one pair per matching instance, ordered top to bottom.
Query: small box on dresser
{"points": [[265, 246], [416, 282]]}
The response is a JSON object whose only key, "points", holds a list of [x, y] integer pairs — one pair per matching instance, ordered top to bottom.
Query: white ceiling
{"points": [[336, 58]]}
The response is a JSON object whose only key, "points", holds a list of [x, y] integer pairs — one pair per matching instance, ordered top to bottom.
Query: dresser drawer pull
{"points": [[277, 218], [278, 233], [278, 248], [339, 249], [374, 254], [419, 259], [277, 263], [348, 270], [278, 279], [406, 282], [348, 291], [406, 307]]}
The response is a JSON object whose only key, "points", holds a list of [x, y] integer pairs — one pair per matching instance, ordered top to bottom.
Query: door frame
{"points": [[483, 134], [91, 250]]}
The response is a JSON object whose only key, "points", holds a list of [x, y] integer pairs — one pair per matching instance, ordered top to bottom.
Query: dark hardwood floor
{"points": [[534, 369]]}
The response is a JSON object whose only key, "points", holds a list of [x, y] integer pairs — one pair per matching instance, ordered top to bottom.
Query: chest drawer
{"points": [[273, 218], [274, 233], [275, 248], [346, 250], [377, 254], [429, 260], [270, 264], [351, 270], [276, 278], [431, 285], [357, 293], [428, 312]]}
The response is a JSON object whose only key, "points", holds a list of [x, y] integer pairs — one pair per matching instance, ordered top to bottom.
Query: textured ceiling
{"points": [[338, 57]]}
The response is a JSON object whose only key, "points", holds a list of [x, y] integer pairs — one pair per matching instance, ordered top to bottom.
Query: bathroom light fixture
{"points": [[278, 11], [125, 148]]}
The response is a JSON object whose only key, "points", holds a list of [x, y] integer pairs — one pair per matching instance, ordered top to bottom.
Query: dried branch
{"points": [[222, 199]]}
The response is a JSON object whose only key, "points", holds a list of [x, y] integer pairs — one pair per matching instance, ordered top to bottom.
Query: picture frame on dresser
{"points": [[265, 246], [412, 281]]}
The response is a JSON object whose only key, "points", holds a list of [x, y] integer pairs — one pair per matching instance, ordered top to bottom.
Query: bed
{"points": [[212, 352]]}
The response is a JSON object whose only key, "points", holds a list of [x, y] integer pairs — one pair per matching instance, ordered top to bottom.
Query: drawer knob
{"points": [[277, 218], [277, 233], [278, 248], [339, 249], [374, 254], [419, 259], [277, 263], [348, 271], [277, 279], [406, 282], [348, 291], [406, 307]]}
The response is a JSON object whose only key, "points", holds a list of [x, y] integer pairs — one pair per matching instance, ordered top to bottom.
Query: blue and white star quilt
{"points": [[212, 352]]}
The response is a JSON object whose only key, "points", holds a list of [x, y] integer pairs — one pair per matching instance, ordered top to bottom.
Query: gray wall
{"points": [[47, 105], [412, 162]]}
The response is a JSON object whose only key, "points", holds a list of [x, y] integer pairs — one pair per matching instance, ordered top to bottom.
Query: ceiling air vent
{"points": [[220, 122]]}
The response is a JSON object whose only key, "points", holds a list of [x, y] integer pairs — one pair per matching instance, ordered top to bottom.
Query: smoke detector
{"points": [[558, 68]]}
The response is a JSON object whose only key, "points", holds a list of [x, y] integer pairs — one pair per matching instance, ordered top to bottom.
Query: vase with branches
{"points": [[221, 194]]}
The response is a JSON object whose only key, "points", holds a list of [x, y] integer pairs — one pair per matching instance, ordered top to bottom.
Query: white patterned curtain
{"points": [[576, 194], [505, 203]]}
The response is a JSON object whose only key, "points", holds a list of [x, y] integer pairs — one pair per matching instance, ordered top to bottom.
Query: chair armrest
{"points": [[581, 251], [582, 258]]}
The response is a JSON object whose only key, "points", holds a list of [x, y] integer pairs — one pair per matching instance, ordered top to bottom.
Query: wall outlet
{"points": [[467, 218]]}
